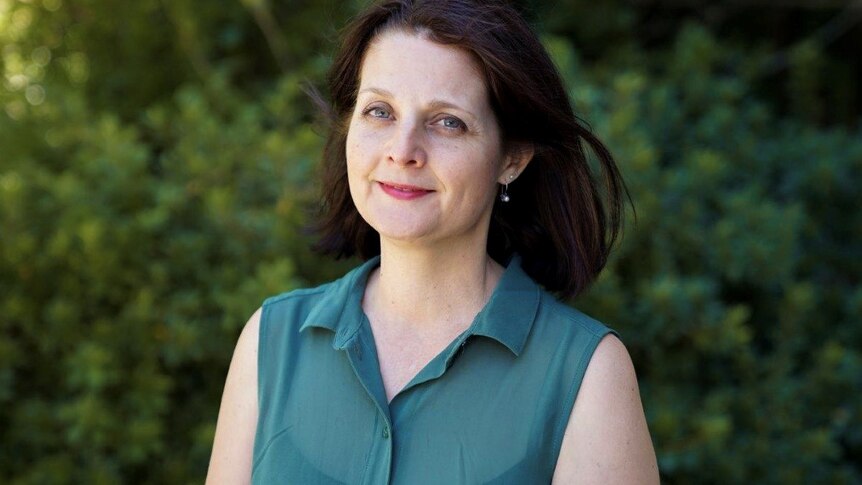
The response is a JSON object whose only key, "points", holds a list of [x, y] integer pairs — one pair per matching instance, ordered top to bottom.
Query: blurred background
{"points": [[157, 171]]}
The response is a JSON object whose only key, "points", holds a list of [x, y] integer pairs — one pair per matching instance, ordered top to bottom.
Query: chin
{"points": [[401, 224], [401, 232]]}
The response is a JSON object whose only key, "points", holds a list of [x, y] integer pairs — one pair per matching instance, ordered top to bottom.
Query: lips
{"points": [[403, 191]]}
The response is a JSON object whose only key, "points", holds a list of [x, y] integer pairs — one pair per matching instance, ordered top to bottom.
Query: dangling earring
{"points": [[504, 195]]}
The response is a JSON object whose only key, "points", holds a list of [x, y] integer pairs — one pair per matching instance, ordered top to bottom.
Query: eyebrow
{"points": [[381, 92], [434, 104]]}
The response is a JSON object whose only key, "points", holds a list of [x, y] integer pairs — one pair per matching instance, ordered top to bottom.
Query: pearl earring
{"points": [[504, 195]]}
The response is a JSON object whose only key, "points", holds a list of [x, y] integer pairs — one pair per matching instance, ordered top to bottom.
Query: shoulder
{"points": [[299, 297], [306, 299], [291, 308], [558, 315], [558, 325], [248, 337], [243, 366], [606, 439], [230, 461]]}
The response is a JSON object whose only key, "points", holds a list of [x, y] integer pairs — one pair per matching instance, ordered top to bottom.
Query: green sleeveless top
{"points": [[490, 408]]}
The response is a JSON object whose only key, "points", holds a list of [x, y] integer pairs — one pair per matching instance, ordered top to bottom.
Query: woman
{"points": [[441, 360]]}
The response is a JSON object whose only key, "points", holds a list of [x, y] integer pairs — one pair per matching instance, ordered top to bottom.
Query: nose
{"points": [[407, 145]]}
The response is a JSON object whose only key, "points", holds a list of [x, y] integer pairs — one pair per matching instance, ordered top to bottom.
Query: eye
{"points": [[377, 112], [453, 123]]}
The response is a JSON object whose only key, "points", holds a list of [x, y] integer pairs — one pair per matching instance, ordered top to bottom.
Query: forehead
{"points": [[412, 66]]}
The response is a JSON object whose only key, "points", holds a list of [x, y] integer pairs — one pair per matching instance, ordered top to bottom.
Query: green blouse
{"points": [[490, 408]]}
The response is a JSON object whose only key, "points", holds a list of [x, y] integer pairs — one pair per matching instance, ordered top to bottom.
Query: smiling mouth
{"points": [[404, 192]]}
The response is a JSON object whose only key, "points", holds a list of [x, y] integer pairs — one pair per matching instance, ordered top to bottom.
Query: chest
{"points": [[402, 355], [479, 420]]}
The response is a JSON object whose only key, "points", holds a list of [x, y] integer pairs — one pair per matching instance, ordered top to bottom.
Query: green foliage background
{"points": [[157, 164]]}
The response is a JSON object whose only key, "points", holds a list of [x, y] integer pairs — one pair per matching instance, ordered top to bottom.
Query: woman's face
{"points": [[424, 152]]}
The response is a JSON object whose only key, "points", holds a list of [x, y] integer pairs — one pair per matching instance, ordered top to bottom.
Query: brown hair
{"points": [[561, 220]]}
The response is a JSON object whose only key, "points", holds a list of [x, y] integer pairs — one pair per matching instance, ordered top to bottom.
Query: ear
{"points": [[517, 158]]}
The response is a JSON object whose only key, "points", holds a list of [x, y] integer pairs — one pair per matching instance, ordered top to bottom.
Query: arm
{"points": [[606, 439], [231, 457]]}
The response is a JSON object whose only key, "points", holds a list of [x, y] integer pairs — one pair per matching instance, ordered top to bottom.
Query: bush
{"points": [[130, 258], [738, 290]]}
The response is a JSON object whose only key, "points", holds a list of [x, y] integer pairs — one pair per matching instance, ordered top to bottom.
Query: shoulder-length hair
{"points": [[562, 219]]}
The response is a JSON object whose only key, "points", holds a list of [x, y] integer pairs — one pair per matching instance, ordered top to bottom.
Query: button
{"points": [[386, 432]]}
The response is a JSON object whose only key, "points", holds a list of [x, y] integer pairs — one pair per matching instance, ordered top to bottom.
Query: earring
{"points": [[504, 195]]}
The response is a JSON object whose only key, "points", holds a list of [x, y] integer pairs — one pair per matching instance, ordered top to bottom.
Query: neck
{"points": [[430, 290]]}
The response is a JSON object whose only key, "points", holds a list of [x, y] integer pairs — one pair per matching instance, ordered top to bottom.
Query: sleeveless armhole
{"points": [[598, 332], [262, 344], [261, 350]]}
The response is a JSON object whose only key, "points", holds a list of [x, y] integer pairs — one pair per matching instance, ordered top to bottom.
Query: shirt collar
{"points": [[340, 309], [509, 314], [507, 317]]}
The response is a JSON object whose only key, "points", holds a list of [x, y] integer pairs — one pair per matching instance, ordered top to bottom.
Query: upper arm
{"points": [[606, 439], [231, 457]]}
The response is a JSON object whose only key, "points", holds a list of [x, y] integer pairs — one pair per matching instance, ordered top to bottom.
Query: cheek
{"points": [[350, 144], [358, 149], [354, 154], [488, 164], [359, 167]]}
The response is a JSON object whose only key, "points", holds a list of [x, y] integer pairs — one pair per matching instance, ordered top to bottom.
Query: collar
{"points": [[340, 309], [509, 314], [507, 317]]}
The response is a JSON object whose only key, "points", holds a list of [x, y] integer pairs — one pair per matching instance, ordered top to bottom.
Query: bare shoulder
{"points": [[248, 338], [606, 439], [231, 457]]}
